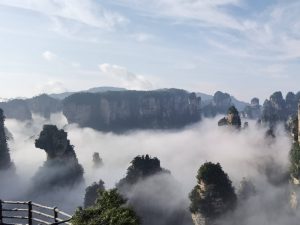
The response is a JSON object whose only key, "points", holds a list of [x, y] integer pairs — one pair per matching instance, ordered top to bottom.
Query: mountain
{"points": [[63, 95], [208, 99], [22, 109], [125, 110]]}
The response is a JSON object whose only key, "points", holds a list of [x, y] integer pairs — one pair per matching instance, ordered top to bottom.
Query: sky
{"points": [[248, 48]]}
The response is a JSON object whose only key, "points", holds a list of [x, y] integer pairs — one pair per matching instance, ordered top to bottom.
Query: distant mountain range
{"points": [[91, 90], [207, 99], [112, 108]]}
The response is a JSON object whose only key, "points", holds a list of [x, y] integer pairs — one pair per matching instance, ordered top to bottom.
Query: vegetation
{"points": [[232, 119], [5, 160], [295, 160], [141, 167], [91, 193], [214, 194], [110, 209]]}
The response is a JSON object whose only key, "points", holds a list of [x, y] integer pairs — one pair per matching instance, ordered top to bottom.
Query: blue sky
{"points": [[245, 47]]}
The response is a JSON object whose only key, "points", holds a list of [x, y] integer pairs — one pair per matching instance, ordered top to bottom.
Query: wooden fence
{"points": [[21, 213]]}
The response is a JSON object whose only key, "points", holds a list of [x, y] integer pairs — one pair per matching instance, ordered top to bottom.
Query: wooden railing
{"points": [[19, 213]]}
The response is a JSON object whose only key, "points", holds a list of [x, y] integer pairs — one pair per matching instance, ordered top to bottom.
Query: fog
{"points": [[242, 154]]}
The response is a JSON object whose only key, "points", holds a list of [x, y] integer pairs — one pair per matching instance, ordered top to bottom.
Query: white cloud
{"points": [[87, 12], [201, 12], [143, 37], [49, 56], [275, 71], [124, 78], [50, 87]]}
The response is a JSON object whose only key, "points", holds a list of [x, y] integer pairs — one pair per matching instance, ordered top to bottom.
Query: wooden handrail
{"points": [[30, 218]]}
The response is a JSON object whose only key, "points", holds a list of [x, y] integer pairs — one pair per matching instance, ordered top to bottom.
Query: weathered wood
{"points": [[15, 202], [14, 210], [29, 213], [63, 213], [42, 214], [15, 217], [1, 218], [30, 219], [41, 221]]}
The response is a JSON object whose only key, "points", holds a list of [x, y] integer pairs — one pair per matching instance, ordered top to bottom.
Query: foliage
{"points": [[295, 160], [141, 167], [91, 193], [214, 194], [109, 209]]}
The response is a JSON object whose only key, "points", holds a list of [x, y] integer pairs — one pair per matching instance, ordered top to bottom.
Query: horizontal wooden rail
{"points": [[31, 212]]}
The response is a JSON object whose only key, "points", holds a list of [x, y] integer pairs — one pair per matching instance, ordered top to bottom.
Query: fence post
{"points": [[29, 213], [55, 214], [1, 216]]}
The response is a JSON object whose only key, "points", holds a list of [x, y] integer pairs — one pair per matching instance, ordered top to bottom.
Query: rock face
{"points": [[44, 105], [219, 105], [16, 109], [22, 109], [124, 110], [274, 110], [253, 111], [233, 118], [5, 160], [97, 160], [295, 164], [61, 168], [141, 168], [153, 193], [213, 196]]}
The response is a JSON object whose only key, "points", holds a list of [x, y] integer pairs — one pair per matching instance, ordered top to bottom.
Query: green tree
{"points": [[295, 160], [141, 167], [91, 193], [214, 194], [110, 209]]}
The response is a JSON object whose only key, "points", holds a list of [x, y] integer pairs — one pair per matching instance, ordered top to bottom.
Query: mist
{"points": [[242, 154]]}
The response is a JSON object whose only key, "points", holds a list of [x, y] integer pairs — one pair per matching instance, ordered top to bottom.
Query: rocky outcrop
{"points": [[44, 105], [219, 105], [16, 109], [22, 109], [124, 110], [274, 110], [253, 111], [233, 119], [5, 160], [97, 160], [61, 168], [153, 193], [213, 196]]}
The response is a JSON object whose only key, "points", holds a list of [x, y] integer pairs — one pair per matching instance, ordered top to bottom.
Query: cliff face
{"points": [[44, 105], [16, 109], [22, 109], [125, 110], [253, 111], [233, 118], [5, 160], [61, 169]]}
